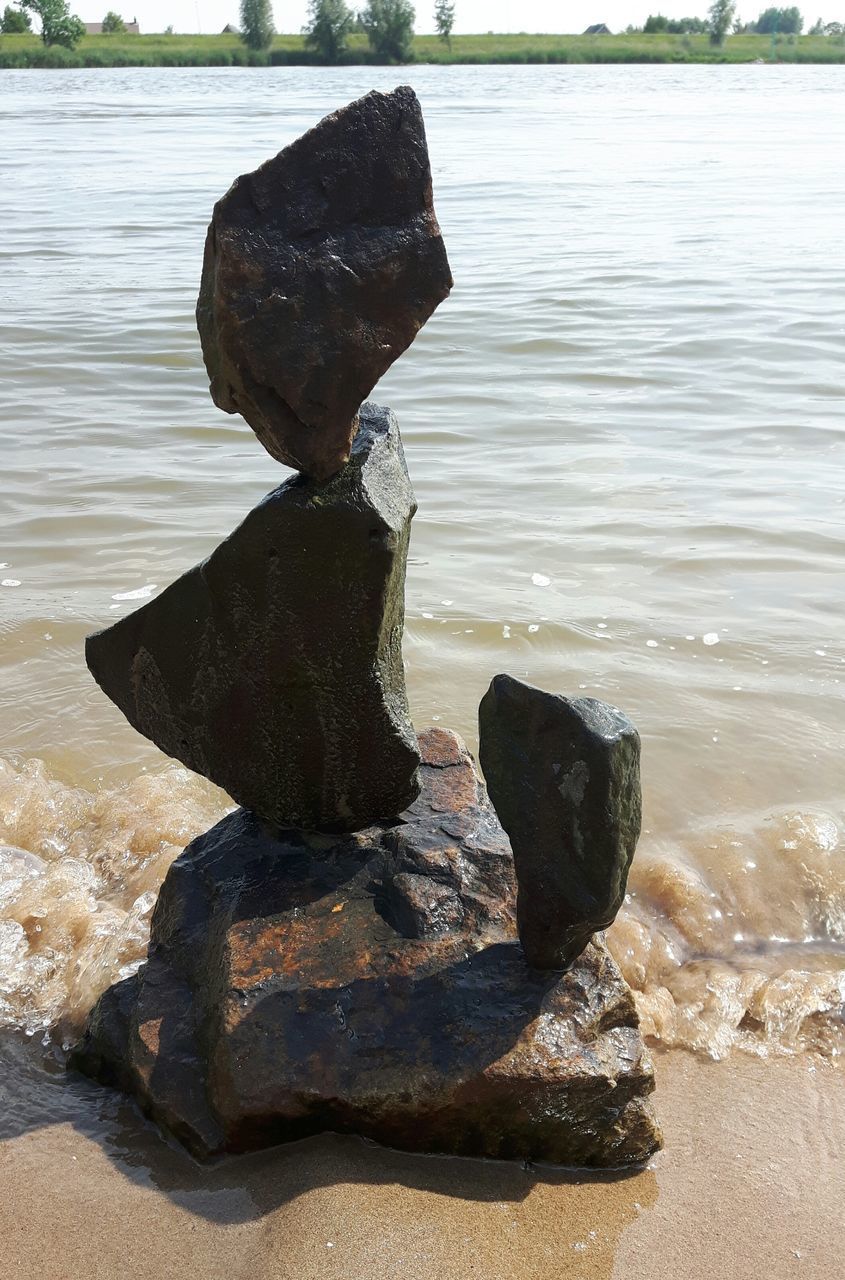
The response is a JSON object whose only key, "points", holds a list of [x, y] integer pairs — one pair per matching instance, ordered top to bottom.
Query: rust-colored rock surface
{"points": [[320, 269], [372, 983]]}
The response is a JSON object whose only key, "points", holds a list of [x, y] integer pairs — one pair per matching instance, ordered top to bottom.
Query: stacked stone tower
{"points": [[341, 952]]}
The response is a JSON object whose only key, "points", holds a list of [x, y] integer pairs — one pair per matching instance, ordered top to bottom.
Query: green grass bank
{"points": [[20, 51]]}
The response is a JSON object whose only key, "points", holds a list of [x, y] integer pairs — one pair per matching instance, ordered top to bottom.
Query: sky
{"points": [[471, 15]]}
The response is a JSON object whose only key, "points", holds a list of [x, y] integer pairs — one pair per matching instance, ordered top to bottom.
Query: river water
{"points": [[626, 433]]}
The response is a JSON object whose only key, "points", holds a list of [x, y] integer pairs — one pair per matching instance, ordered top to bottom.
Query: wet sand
{"points": [[751, 1184]]}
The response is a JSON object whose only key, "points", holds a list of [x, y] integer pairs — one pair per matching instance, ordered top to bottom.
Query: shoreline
{"points": [[26, 52], [749, 1182]]}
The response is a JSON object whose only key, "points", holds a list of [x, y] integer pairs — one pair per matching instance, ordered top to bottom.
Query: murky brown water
{"points": [[625, 429]]}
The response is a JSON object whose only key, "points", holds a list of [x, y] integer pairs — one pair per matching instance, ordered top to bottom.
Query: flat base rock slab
{"points": [[372, 983]]}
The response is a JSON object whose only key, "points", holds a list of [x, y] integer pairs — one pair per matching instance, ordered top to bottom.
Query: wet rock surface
{"points": [[320, 269], [274, 668], [564, 777], [372, 983]]}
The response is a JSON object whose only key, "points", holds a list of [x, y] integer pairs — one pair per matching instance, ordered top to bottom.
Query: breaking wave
{"points": [[79, 876], [735, 940], [738, 941]]}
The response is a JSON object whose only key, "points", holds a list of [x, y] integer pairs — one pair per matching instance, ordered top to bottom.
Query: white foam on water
{"points": [[140, 593], [79, 875], [734, 941], [728, 951]]}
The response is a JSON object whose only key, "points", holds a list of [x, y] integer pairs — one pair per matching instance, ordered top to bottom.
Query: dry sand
{"points": [[751, 1184]]}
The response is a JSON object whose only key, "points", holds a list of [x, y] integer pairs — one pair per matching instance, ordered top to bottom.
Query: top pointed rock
{"points": [[320, 269]]}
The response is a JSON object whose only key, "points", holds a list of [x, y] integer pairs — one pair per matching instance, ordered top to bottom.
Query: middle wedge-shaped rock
{"points": [[274, 668]]}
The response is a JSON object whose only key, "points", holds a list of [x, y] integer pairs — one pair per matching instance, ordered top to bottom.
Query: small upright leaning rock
{"points": [[320, 269], [564, 778]]}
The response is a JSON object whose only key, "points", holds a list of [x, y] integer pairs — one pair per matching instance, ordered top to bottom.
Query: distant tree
{"points": [[721, 15], [444, 19], [15, 22], [786, 22], [58, 24], [113, 24], [656, 24], [389, 25], [328, 27], [692, 27], [257, 28], [817, 29], [834, 29], [168, 31]]}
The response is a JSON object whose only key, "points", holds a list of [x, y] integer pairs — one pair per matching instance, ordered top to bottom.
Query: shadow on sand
{"points": [[36, 1092]]}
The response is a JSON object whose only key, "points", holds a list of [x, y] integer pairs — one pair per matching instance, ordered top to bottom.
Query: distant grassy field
{"points": [[227, 51]]}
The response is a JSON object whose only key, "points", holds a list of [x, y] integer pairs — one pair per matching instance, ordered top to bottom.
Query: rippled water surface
{"points": [[626, 433]]}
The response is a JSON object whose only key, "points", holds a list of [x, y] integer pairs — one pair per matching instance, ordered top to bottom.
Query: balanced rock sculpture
{"points": [[320, 269], [274, 668], [564, 777], [341, 953]]}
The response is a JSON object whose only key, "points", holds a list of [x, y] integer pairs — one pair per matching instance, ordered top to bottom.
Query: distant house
{"points": [[96, 28], [598, 29], [230, 30]]}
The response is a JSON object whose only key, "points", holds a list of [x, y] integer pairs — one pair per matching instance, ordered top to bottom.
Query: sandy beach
{"points": [[751, 1183]]}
